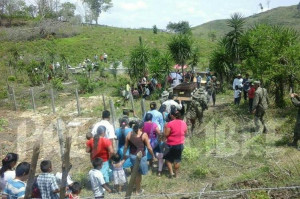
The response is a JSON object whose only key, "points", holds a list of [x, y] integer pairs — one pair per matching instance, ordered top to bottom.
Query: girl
{"points": [[6, 171], [118, 171], [75, 191]]}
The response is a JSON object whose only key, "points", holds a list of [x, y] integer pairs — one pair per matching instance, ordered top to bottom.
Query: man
{"points": [[199, 78], [237, 81], [246, 86], [211, 88], [164, 96], [296, 101], [171, 102], [260, 105], [197, 107], [157, 117], [110, 132]]}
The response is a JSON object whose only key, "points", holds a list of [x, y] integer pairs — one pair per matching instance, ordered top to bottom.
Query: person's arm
{"points": [[233, 84], [179, 105], [157, 131], [167, 131], [126, 145], [88, 149], [110, 151], [54, 186], [106, 188]]}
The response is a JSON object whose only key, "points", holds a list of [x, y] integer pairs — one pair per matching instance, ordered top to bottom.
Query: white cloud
{"points": [[133, 6]]}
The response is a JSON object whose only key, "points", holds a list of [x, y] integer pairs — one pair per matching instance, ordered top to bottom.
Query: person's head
{"points": [[247, 75], [239, 76], [256, 84], [171, 96], [153, 105], [162, 108], [126, 112], [105, 114], [176, 115], [148, 117], [123, 122], [137, 125], [101, 131], [89, 135], [116, 158], [8, 163], [97, 163], [46, 166], [22, 171], [76, 188]]}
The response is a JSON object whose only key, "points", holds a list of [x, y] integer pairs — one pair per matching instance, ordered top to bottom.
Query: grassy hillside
{"points": [[286, 16]]}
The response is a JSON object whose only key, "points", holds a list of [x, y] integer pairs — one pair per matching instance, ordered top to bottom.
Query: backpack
{"points": [[35, 189]]}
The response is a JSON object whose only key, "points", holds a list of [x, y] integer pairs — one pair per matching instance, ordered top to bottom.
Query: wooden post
{"points": [[32, 98], [14, 99], [52, 100], [77, 100], [104, 104], [132, 104], [143, 108], [112, 110], [61, 141], [34, 159], [65, 167], [134, 173]]}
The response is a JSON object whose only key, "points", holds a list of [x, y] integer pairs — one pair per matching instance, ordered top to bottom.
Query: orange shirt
{"points": [[102, 149]]}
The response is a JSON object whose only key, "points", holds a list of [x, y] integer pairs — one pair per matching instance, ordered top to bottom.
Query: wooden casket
{"points": [[184, 91]]}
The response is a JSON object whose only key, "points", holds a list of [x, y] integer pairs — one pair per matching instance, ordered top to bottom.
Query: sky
{"points": [[146, 13]]}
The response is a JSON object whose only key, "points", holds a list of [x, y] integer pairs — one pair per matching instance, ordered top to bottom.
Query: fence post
{"points": [[14, 99], [32, 99], [52, 100], [77, 100], [132, 103], [104, 104], [143, 108], [113, 117], [60, 139], [34, 159], [65, 167], [134, 173]]}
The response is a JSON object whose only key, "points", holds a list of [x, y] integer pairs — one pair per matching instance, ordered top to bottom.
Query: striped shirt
{"points": [[15, 189]]}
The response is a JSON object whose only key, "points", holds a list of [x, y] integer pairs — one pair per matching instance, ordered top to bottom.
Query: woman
{"points": [[153, 132], [175, 132], [121, 134], [137, 140], [101, 147], [6, 171]]}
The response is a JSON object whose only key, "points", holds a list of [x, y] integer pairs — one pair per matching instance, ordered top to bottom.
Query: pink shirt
{"points": [[149, 128], [177, 133]]}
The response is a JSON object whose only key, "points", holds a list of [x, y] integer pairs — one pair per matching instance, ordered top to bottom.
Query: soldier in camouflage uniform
{"points": [[211, 88], [164, 97], [296, 101], [260, 105], [197, 107]]}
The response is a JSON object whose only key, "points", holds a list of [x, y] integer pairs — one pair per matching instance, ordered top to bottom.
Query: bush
{"points": [[11, 78], [57, 84], [86, 85], [190, 154], [200, 172]]}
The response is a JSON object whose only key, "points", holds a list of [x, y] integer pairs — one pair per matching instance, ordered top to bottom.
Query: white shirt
{"points": [[237, 82], [237, 93], [169, 103], [109, 133], [8, 175], [58, 177], [97, 180]]}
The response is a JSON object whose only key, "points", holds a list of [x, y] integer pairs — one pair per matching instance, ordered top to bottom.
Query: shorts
{"points": [[174, 154], [143, 165]]}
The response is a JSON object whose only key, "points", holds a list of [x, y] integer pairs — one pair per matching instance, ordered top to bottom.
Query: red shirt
{"points": [[251, 93], [177, 132], [102, 150]]}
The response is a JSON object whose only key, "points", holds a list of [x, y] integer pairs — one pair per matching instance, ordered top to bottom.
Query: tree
{"points": [[97, 7], [13, 8], [298, 8], [32, 10], [67, 11], [237, 23], [182, 27], [154, 28], [212, 35], [180, 48], [195, 56], [139, 57]]}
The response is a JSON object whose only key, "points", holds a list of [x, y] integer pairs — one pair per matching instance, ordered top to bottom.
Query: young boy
{"points": [[237, 95], [97, 180], [47, 182], [16, 188]]}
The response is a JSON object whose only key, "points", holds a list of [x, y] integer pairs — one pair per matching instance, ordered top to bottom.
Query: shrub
{"points": [[11, 78], [57, 84], [86, 85], [190, 154], [200, 172]]}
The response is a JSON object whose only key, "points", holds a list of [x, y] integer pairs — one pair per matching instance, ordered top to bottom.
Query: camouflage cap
{"points": [[256, 82], [200, 90], [165, 94]]}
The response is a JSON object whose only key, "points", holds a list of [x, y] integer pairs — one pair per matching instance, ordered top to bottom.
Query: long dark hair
{"points": [[123, 124], [136, 125], [100, 131], [7, 162]]}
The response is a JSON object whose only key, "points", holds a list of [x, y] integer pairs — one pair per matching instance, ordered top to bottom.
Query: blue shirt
{"points": [[157, 118], [121, 137], [15, 189]]}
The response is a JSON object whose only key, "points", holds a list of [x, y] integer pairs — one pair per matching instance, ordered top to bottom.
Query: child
{"points": [[251, 94], [237, 95], [89, 136], [118, 171], [97, 180], [47, 182], [16, 188], [75, 190]]}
